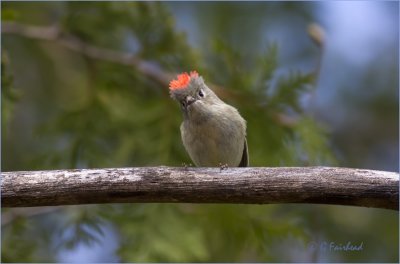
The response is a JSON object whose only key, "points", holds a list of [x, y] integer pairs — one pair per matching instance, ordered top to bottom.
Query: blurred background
{"points": [[85, 85]]}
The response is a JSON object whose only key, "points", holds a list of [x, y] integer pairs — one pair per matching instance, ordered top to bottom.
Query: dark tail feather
{"points": [[245, 158]]}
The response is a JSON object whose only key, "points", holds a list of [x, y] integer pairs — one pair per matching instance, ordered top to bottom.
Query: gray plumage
{"points": [[213, 132]]}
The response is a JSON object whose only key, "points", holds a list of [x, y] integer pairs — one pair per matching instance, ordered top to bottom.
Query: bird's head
{"points": [[192, 93]]}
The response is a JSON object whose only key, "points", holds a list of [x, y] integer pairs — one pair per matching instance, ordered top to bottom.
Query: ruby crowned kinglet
{"points": [[213, 132]]}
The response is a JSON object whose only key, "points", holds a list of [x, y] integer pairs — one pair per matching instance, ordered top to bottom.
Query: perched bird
{"points": [[213, 133]]}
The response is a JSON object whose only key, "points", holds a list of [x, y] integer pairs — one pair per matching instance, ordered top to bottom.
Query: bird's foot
{"points": [[186, 166], [223, 166]]}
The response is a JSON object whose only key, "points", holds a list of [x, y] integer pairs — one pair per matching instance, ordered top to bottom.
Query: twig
{"points": [[53, 33], [317, 34], [146, 68], [321, 185]]}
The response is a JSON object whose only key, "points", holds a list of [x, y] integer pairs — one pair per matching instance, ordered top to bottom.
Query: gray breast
{"points": [[217, 139]]}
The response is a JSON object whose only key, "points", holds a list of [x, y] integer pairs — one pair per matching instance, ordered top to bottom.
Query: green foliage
{"points": [[8, 14], [288, 90], [9, 95], [85, 113], [84, 225], [174, 239], [21, 241], [23, 249]]}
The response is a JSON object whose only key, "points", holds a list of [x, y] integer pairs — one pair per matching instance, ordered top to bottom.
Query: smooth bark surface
{"points": [[320, 185]]}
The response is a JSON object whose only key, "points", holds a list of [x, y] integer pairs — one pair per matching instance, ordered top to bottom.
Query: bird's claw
{"points": [[186, 166], [223, 166]]}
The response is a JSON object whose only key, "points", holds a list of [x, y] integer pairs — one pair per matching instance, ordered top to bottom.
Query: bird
{"points": [[213, 132]]}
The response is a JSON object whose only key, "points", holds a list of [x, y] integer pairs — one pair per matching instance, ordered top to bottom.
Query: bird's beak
{"points": [[190, 100]]}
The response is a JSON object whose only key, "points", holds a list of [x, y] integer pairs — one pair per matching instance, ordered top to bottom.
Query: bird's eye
{"points": [[201, 93], [183, 103]]}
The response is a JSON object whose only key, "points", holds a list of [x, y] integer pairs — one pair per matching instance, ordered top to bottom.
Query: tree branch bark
{"points": [[319, 185]]}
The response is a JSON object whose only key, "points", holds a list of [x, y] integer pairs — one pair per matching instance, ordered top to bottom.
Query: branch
{"points": [[54, 33], [146, 68], [320, 185]]}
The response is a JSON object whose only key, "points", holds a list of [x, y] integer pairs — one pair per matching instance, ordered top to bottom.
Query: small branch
{"points": [[54, 33], [317, 34], [146, 68], [320, 185]]}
